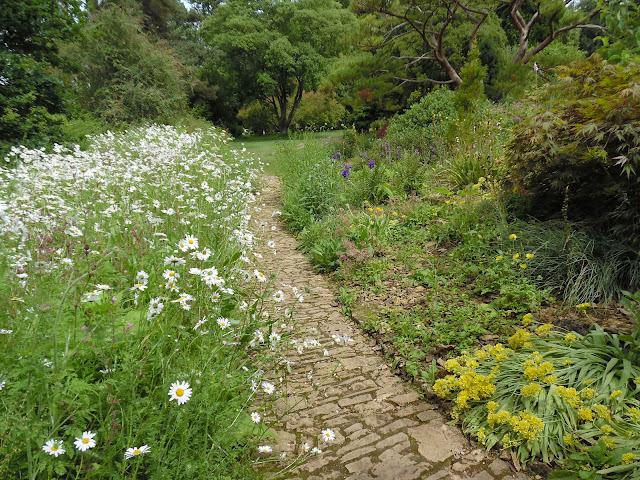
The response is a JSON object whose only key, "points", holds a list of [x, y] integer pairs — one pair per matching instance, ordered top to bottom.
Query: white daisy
{"points": [[74, 232], [192, 242], [203, 254], [173, 260], [170, 275], [260, 276], [139, 286], [278, 296], [223, 322], [200, 323], [274, 337], [268, 387], [180, 391], [255, 417], [328, 435], [85, 442], [53, 447], [305, 447], [264, 449], [134, 451], [316, 451]]}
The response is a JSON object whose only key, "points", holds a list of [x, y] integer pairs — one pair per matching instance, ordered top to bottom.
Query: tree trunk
{"points": [[283, 125]]}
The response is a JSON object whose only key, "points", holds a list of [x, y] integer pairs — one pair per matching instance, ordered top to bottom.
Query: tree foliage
{"points": [[621, 43], [274, 51], [126, 77], [32, 95], [581, 145]]}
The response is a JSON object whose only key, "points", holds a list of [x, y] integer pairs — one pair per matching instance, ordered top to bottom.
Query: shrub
{"points": [[127, 78], [318, 111], [257, 117], [425, 123], [582, 144]]}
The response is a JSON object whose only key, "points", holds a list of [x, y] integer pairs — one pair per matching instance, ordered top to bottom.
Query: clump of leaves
{"points": [[581, 144]]}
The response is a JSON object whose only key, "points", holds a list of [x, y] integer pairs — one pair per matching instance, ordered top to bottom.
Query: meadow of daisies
{"points": [[134, 322]]}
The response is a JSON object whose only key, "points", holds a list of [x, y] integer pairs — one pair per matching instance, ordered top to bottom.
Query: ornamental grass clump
{"points": [[554, 396]]}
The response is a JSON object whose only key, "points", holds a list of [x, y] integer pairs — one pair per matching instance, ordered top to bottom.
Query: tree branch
{"points": [[411, 80]]}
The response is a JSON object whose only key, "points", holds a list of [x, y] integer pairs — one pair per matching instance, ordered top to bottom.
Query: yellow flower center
{"points": [[191, 242], [179, 392], [85, 440], [54, 448], [137, 451]]}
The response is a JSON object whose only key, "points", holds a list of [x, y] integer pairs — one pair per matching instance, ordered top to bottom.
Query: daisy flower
{"points": [[74, 232], [191, 241], [203, 254], [173, 260], [170, 274], [260, 276], [139, 286], [278, 296], [215, 297], [223, 322], [200, 323], [268, 387], [180, 391], [255, 417], [328, 435], [85, 442], [53, 447], [305, 447], [264, 449], [134, 451], [316, 451]]}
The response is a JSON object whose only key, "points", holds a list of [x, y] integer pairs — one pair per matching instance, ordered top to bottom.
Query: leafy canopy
{"points": [[272, 51]]}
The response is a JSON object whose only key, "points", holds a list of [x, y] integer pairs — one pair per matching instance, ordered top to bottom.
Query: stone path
{"points": [[384, 429]]}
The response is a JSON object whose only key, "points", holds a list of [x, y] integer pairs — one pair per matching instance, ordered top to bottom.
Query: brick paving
{"points": [[384, 429]]}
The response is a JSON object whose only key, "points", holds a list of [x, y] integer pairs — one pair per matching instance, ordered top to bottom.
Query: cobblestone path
{"points": [[384, 429]]}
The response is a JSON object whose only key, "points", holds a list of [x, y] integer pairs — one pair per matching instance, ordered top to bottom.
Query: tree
{"points": [[559, 16], [431, 20], [621, 44], [274, 51], [126, 77], [32, 98]]}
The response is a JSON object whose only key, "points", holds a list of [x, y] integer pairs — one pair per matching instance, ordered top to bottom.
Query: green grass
{"points": [[267, 147]]}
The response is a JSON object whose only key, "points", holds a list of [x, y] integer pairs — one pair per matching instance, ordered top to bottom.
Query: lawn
{"points": [[266, 147]]}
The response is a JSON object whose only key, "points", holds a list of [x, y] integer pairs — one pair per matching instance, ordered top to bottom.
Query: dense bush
{"points": [[127, 77], [318, 111], [257, 118], [424, 123], [581, 146]]}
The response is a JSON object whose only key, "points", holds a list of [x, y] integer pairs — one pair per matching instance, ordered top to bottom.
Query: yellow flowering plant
{"points": [[575, 403]]}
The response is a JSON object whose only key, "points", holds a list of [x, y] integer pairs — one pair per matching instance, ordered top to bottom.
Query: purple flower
{"points": [[372, 164], [345, 173]]}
